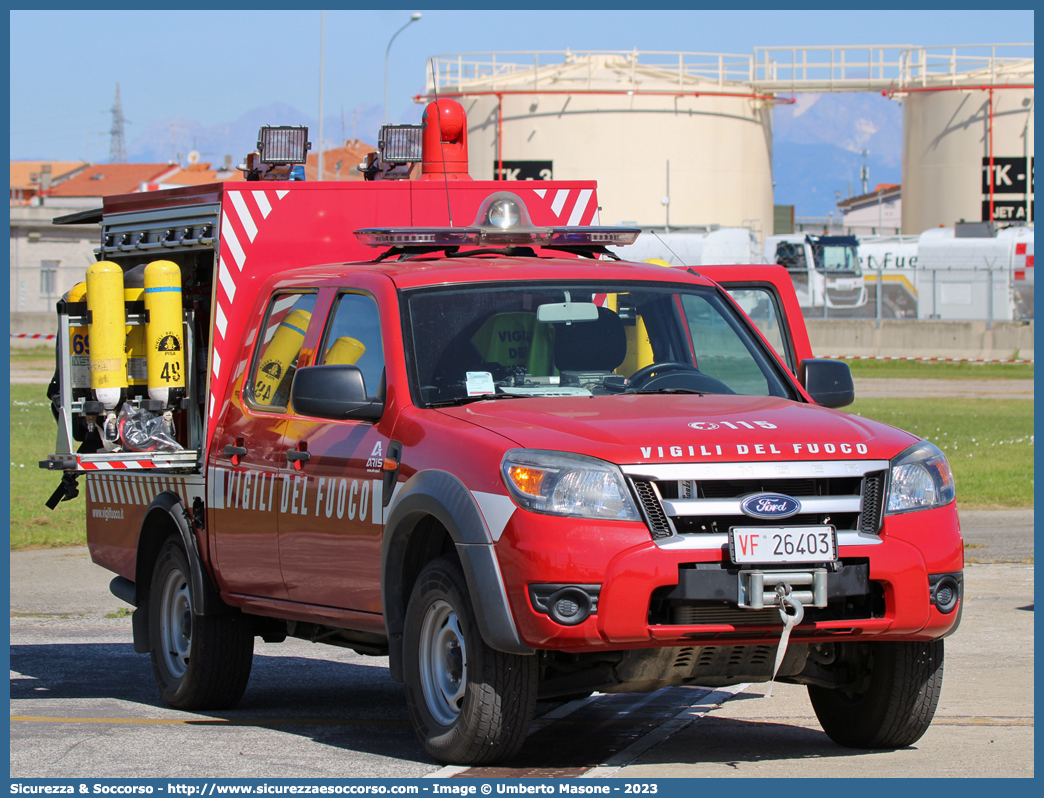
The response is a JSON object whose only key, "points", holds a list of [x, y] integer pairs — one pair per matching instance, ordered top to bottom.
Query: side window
{"points": [[760, 306], [354, 339], [720, 352], [275, 361]]}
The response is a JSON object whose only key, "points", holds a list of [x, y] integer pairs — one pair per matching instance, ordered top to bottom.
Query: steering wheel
{"points": [[672, 374]]}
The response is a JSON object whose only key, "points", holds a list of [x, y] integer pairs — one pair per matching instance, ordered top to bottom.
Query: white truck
{"points": [[825, 269], [968, 271], [963, 272]]}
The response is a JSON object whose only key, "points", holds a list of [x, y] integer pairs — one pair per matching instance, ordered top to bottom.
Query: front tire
{"points": [[200, 662], [470, 704], [898, 704]]}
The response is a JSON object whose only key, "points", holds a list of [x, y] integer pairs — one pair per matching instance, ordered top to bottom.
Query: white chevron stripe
{"points": [[540, 192], [281, 193], [559, 202], [262, 203], [580, 207], [244, 214], [228, 235], [225, 278], [220, 321], [217, 364], [91, 482], [119, 490]]}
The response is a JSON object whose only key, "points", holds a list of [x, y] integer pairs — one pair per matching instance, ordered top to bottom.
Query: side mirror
{"points": [[828, 382], [335, 392]]}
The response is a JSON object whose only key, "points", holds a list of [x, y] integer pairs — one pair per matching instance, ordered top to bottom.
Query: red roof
{"points": [[102, 180], [881, 190]]}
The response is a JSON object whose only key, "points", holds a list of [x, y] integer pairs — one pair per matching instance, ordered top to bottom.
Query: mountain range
{"points": [[173, 138], [817, 142]]}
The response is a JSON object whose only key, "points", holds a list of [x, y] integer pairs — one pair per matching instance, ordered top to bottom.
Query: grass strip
{"points": [[917, 370], [989, 443]]}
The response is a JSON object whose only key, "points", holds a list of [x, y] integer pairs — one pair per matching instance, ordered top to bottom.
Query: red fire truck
{"points": [[437, 420]]}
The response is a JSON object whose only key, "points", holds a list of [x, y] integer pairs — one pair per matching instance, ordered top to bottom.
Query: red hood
{"points": [[659, 428]]}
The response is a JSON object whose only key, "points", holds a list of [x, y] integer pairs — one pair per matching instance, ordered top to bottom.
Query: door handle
{"points": [[235, 451], [297, 457]]}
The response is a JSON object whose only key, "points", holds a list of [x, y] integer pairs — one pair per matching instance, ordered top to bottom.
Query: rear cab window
{"points": [[283, 332]]}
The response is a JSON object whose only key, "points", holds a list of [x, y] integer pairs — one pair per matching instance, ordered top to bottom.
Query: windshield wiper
{"points": [[672, 390], [467, 400]]}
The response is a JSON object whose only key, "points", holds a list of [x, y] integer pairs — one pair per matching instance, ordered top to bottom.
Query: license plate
{"points": [[845, 285], [782, 544]]}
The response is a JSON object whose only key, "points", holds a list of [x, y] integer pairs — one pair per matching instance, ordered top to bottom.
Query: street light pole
{"points": [[413, 18], [322, 41]]}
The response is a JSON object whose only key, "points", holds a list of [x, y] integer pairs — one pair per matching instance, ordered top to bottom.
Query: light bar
{"points": [[283, 144], [502, 219], [417, 236], [586, 236]]}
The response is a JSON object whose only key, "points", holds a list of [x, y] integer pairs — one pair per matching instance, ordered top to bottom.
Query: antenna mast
{"points": [[117, 147]]}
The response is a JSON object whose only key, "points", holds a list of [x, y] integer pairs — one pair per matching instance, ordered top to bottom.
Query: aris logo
{"points": [[770, 505]]}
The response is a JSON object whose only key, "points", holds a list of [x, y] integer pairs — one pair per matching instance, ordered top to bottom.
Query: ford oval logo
{"points": [[770, 505]]}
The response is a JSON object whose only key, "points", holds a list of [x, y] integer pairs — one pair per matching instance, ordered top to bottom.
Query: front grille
{"points": [[704, 499], [873, 503], [652, 509], [689, 615]]}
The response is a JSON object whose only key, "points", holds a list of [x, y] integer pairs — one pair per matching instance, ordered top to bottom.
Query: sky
{"points": [[213, 66]]}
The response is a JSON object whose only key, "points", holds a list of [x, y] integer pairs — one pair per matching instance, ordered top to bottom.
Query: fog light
{"points": [[946, 593], [569, 606]]}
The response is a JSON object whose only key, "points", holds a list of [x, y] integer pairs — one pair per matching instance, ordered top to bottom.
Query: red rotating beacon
{"points": [[445, 142]]}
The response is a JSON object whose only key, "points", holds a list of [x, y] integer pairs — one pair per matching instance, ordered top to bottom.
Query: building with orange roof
{"points": [[339, 162], [196, 174], [29, 178], [101, 180], [47, 260]]}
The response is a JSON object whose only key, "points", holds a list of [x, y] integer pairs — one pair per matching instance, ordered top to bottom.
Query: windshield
{"points": [[837, 259], [575, 339]]}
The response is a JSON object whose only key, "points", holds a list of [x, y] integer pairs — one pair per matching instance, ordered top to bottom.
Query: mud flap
{"points": [[140, 629]]}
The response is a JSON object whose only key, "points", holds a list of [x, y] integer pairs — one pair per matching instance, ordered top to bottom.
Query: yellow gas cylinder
{"points": [[657, 262], [134, 291], [164, 331], [79, 351], [345, 351], [280, 355], [108, 359]]}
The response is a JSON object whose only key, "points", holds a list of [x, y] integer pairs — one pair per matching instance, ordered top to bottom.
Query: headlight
{"points": [[920, 478], [567, 484]]}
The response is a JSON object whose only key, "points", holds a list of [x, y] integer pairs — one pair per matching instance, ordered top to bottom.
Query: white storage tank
{"points": [[618, 118], [946, 136]]}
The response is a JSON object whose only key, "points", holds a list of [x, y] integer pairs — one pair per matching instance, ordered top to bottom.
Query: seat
{"points": [[516, 339], [589, 346]]}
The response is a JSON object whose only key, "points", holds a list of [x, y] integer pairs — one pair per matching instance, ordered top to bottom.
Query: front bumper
{"points": [[633, 573]]}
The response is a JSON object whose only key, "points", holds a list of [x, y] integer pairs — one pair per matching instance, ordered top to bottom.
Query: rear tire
{"points": [[200, 662], [470, 704], [897, 706]]}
